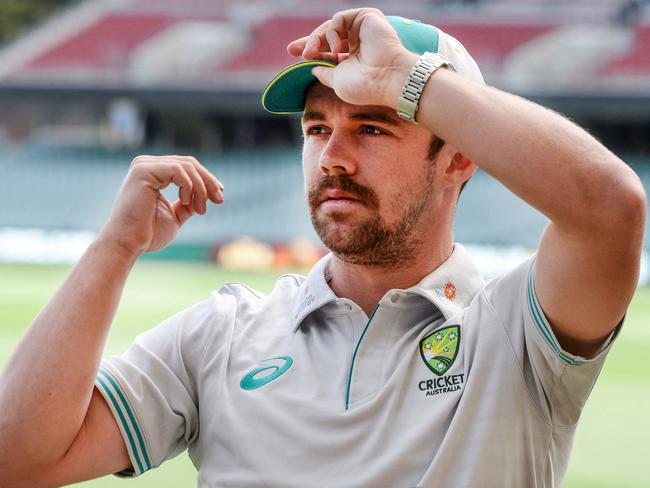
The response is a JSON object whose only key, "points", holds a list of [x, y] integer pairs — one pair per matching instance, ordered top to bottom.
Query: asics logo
{"points": [[256, 378]]}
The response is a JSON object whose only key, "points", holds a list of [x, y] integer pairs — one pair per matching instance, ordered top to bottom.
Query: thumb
{"points": [[324, 75], [182, 212]]}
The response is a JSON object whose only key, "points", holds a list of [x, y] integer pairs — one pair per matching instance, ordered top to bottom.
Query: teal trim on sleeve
{"points": [[544, 327], [354, 355], [117, 408], [129, 412]]}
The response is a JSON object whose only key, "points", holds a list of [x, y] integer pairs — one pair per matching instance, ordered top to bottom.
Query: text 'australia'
{"points": [[446, 384]]}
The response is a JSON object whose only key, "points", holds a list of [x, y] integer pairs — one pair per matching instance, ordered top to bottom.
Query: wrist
{"points": [[396, 78], [416, 82], [117, 247]]}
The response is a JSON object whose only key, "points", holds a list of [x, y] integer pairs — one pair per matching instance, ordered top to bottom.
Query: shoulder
{"points": [[511, 285], [241, 294]]}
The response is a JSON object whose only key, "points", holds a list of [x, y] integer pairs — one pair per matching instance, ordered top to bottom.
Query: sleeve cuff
{"points": [[546, 332], [131, 430]]}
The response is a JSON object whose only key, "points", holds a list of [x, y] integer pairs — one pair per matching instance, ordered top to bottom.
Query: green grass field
{"points": [[613, 441]]}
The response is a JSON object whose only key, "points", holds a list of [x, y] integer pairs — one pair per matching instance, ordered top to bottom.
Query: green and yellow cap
{"points": [[285, 93]]}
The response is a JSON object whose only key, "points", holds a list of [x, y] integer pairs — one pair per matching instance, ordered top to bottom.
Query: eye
{"points": [[315, 130], [371, 130]]}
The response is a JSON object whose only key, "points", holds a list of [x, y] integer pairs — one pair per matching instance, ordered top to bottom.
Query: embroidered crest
{"points": [[450, 291], [440, 348]]}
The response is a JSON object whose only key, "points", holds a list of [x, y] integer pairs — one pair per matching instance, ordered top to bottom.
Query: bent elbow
{"points": [[634, 206], [621, 211]]}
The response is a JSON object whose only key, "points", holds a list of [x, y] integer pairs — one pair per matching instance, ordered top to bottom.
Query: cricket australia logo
{"points": [[440, 348]]}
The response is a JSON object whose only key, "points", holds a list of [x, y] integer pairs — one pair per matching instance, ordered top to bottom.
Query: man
{"points": [[392, 364]]}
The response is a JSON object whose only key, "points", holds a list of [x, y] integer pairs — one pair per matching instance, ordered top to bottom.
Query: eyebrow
{"points": [[312, 115]]}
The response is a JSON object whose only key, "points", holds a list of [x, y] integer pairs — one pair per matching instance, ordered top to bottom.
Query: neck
{"points": [[366, 285]]}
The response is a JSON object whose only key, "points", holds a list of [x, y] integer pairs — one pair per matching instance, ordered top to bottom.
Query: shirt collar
{"points": [[453, 284], [450, 287], [313, 293]]}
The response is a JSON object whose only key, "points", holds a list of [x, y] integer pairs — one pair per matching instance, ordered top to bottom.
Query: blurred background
{"points": [[87, 85]]}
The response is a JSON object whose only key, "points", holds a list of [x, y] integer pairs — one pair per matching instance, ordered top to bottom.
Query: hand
{"points": [[372, 62], [143, 220]]}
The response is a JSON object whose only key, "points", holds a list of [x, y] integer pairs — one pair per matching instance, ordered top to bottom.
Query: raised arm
{"points": [[588, 261], [54, 429]]}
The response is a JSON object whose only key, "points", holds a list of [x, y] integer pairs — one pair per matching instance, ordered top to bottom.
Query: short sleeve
{"points": [[560, 382], [152, 388]]}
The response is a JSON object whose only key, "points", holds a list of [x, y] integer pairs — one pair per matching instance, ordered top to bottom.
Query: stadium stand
{"points": [[127, 38], [268, 43], [103, 45], [636, 61], [190, 73], [264, 194]]}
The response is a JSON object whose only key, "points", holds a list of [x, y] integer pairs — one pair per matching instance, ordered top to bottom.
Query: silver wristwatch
{"points": [[427, 64]]}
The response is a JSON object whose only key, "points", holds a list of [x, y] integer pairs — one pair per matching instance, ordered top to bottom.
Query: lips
{"points": [[338, 195]]}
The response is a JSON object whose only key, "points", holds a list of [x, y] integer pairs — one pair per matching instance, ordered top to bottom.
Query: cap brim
{"points": [[285, 93]]}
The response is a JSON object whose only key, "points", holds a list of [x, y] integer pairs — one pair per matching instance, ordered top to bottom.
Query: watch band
{"points": [[409, 99]]}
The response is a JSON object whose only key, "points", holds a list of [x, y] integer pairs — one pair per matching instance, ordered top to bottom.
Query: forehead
{"points": [[321, 103]]}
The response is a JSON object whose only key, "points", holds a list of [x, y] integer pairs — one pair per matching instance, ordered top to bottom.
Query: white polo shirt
{"points": [[449, 383]]}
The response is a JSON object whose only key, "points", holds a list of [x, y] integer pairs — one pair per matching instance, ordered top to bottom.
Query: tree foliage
{"points": [[18, 15]]}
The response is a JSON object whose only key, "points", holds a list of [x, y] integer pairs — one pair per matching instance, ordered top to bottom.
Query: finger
{"points": [[348, 24], [339, 28], [333, 40], [316, 41], [316, 45], [295, 48], [326, 57], [335, 58], [325, 75], [159, 173], [184, 183], [212, 183], [199, 191], [198, 194], [182, 212]]}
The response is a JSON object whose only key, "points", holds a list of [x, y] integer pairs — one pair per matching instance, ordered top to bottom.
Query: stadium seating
{"points": [[489, 43], [103, 45], [107, 48], [267, 49], [637, 60]]}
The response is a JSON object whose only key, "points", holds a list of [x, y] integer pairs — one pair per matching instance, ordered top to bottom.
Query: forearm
{"points": [[545, 159], [595, 202], [47, 384]]}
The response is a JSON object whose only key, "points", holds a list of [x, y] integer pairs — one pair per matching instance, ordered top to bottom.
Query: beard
{"points": [[372, 241]]}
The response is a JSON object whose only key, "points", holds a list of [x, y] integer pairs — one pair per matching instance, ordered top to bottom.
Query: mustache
{"points": [[343, 183]]}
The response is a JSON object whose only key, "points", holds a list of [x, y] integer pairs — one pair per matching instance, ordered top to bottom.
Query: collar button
{"points": [[394, 297]]}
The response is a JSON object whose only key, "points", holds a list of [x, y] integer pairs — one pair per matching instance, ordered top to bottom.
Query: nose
{"points": [[338, 156]]}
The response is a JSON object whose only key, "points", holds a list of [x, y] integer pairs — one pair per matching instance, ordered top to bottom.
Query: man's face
{"points": [[369, 181]]}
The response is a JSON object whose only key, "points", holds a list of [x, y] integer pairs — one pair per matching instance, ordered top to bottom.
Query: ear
{"points": [[459, 168]]}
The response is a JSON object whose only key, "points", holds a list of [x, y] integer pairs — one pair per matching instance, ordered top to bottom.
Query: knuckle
{"points": [[138, 160], [187, 166], [179, 168], [137, 169]]}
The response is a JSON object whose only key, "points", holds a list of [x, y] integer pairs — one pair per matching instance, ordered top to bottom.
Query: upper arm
{"points": [[584, 280], [97, 450]]}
